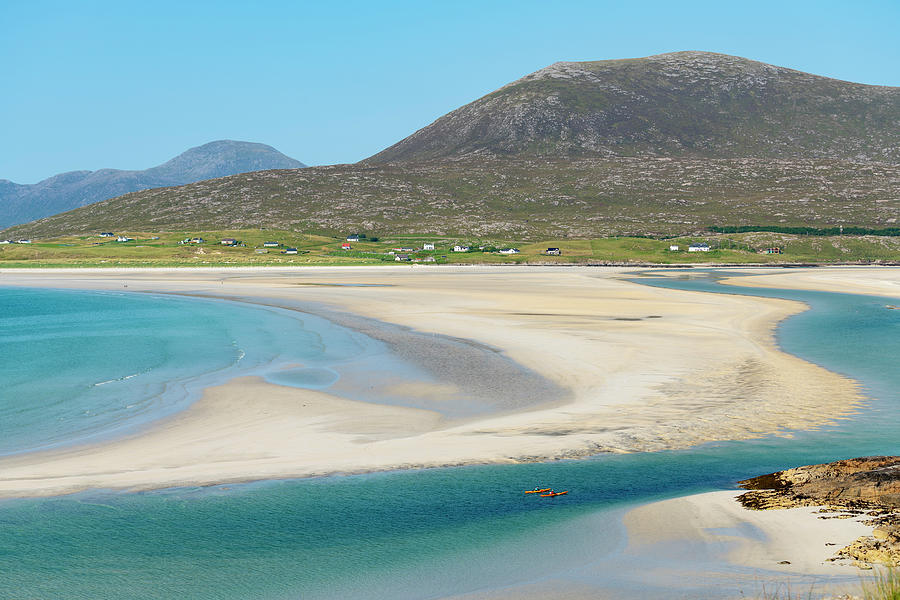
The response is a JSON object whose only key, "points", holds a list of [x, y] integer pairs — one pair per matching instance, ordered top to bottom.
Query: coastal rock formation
{"points": [[856, 486]]}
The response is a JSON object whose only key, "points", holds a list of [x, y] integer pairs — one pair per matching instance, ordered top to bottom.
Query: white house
{"points": [[124, 238], [353, 238], [23, 241], [228, 242], [270, 244], [428, 246], [674, 247], [699, 247], [460, 248], [290, 251], [509, 251], [553, 252]]}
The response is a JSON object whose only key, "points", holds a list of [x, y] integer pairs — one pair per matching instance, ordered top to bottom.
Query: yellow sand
{"points": [[705, 369]]}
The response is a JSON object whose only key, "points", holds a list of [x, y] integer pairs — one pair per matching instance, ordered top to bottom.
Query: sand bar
{"points": [[873, 281], [645, 369]]}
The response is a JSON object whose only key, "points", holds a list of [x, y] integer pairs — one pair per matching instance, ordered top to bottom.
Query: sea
{"points": [[84, 366]]}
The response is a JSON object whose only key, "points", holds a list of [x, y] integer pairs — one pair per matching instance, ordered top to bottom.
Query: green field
{"points": [[167, 249]]}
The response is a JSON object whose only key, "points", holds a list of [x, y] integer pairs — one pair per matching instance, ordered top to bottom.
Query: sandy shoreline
{"points": [[644, 368], [708, 538]]}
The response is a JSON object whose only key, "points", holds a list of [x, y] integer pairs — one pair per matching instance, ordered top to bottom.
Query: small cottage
{"points": [[353, 237], [123, 238], [228, 242], [270, 244], [346, 246], [428, 246], [699, 247], [460, 248], [673, 248], [290, 251], [509, 251], [553, 252], [402, 258]]}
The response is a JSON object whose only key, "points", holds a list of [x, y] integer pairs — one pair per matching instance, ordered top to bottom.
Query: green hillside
{"points": [[521, 199]]}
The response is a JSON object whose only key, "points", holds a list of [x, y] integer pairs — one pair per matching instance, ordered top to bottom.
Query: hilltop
{"points": [[682, 104], [664, 145], [22, 203]]}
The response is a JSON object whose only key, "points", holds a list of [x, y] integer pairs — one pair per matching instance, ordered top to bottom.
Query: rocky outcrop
{"points": [[858, 486]]}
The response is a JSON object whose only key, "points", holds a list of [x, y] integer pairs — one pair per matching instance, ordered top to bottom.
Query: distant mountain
{"points": [[683, 104], [23, 203]]}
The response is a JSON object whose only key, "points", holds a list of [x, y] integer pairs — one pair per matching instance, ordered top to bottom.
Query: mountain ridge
{"points": [[20, 203]]}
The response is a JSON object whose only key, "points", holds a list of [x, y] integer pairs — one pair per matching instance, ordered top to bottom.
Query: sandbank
{"points": [[872, 281], [644, 369]]}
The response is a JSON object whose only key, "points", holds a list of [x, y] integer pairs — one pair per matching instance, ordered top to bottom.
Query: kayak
{"points": [[537, 491], [552, 494]]}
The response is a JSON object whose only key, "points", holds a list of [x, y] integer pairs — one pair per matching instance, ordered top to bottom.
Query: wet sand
{"points": [[626, 368]]}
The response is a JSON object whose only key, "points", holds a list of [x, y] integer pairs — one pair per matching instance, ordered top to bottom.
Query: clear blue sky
{"points": [[128, 84]]}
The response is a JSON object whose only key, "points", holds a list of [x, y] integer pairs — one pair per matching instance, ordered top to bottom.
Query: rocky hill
{"points": [[683, 104], [667, 144], [22, 203]]}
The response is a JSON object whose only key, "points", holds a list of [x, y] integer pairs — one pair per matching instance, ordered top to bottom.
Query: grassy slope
{"points": [[93, 251]]}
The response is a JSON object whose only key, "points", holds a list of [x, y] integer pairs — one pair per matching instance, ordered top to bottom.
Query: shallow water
{"points": [[430, 533]]}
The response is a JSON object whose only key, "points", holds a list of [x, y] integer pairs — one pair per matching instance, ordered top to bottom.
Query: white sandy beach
{"points": [[874, 281], [647, 369], [710, 539]]}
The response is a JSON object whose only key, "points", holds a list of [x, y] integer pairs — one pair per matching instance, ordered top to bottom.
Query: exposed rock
{"points": [[869, 485]]}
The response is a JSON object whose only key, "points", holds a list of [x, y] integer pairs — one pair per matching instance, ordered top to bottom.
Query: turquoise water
{"points": [[82, 366], [428, 533]]}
